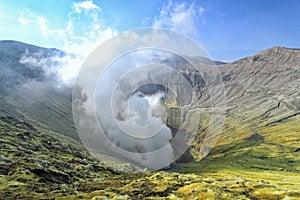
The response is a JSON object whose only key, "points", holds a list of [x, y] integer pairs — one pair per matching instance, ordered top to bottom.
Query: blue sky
{"points": [[228, 30]]}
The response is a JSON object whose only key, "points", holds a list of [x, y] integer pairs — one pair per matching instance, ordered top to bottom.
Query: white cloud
{"points": [[85, 5], [25, 17], [181, 17], [43, 26], [84, 31]]}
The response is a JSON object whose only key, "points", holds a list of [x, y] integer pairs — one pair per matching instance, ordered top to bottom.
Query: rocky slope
{"points": [[30, 89], [261, 135], [256, 157], [36, 163]]}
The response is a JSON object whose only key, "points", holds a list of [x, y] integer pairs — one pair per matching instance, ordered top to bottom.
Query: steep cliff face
{"points": [[271, 76], [263, 90], [262, 93], [260, 137]]}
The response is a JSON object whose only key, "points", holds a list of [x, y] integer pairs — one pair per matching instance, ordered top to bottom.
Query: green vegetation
{"points": [[270, 156], [37, 163]]}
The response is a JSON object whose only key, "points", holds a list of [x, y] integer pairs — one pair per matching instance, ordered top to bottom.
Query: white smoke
{"points": [[63, 68], [116, 115], [130, 119], [139, 130], [142, 132]]}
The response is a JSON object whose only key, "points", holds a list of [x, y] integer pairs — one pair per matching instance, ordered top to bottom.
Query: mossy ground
{"points": [[268, 156], [36, 163]]}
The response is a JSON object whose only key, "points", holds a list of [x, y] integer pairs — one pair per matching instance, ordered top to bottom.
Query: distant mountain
{"points": [[19, 63], [266, 82], [265, 86], [30, 91]]}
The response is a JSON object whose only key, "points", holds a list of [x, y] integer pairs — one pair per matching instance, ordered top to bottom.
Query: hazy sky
{"points": [[227, 29]]}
